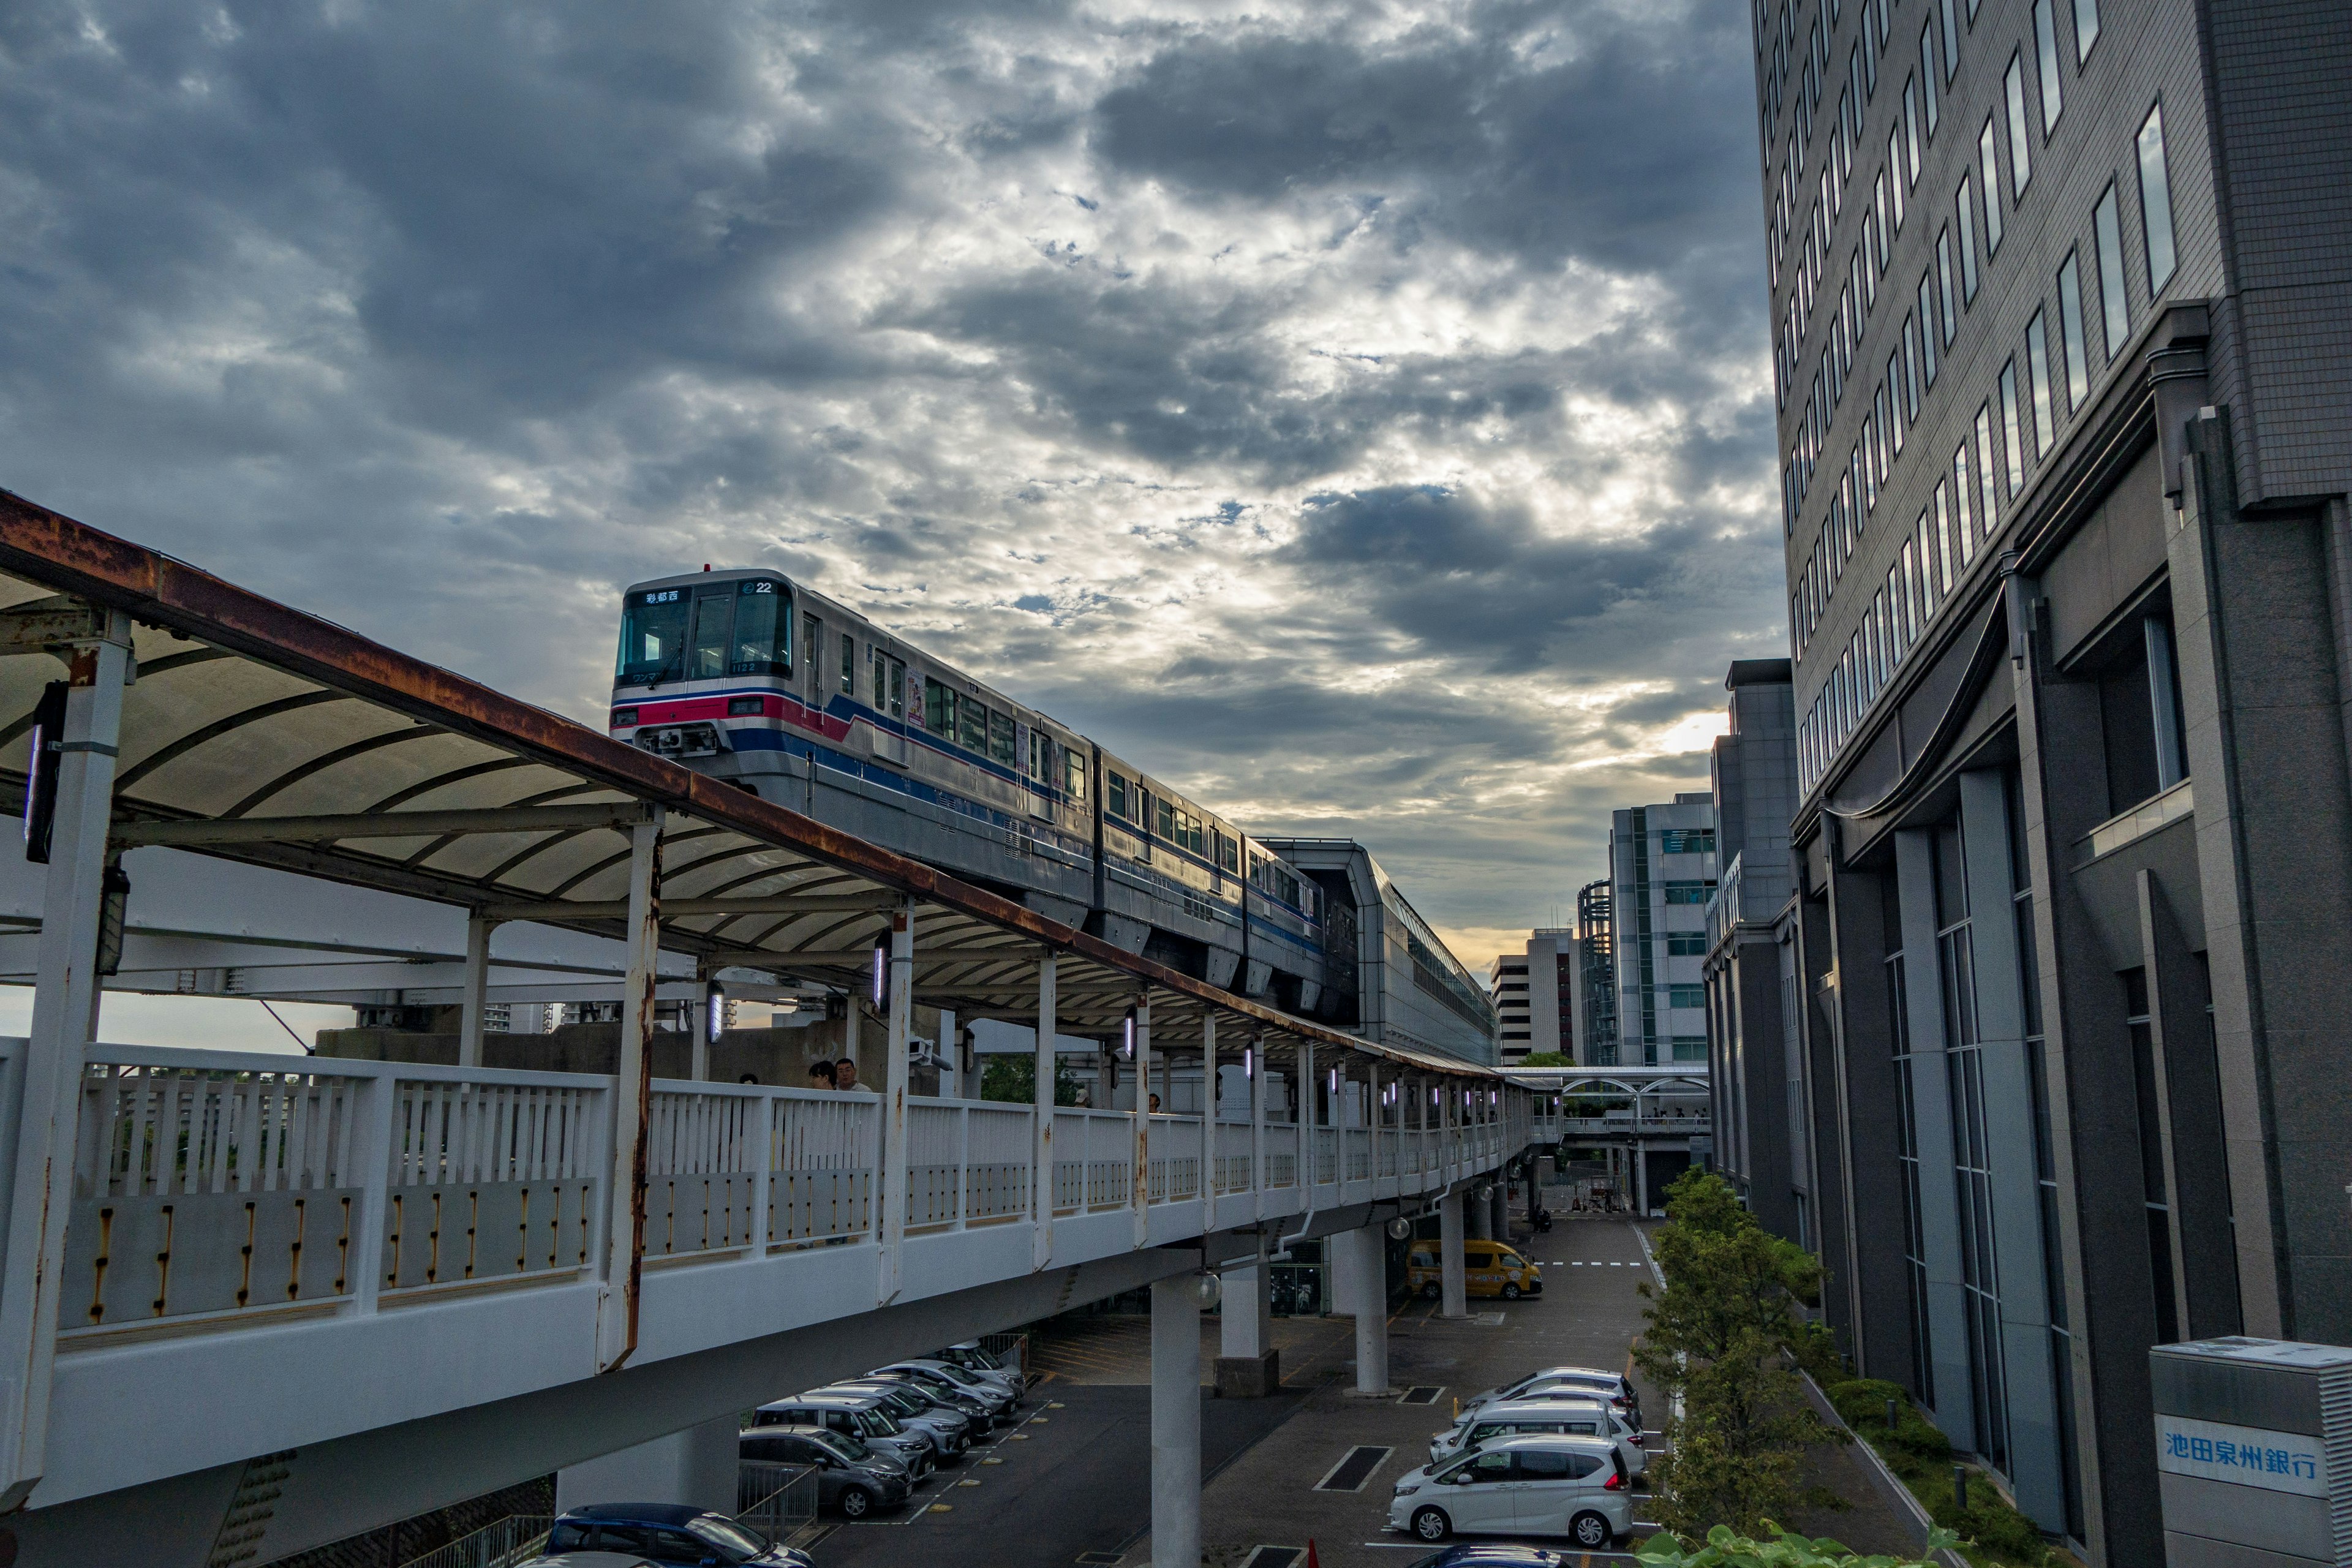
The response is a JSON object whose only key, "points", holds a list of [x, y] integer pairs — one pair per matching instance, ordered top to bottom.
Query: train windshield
{"points": [[705, 633]]}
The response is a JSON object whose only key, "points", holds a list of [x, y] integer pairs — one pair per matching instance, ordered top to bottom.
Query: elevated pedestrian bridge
{"points": [[255, 1301]]}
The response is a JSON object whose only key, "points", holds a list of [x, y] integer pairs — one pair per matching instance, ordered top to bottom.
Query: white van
{"points": [[1578, 1416], [1542, 1485]]}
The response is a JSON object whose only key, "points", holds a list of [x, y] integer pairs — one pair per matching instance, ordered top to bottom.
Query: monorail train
{"points": [[749, 677]]}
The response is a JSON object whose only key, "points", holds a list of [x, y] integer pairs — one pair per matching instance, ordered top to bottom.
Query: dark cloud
{"points": [[1361, 420]]}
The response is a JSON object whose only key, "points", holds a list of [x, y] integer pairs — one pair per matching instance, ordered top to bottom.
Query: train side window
{"points": [[813, 640], [849, 663], [889, 685], [939, 708], [971, 725], [1000, 738], [1041, 757], [1074, 772], [1122, 799], [1228, 854]]}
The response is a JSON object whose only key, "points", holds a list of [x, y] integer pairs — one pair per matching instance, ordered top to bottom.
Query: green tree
{"points": [[1544, 1060], [1013, 1079], [1720, 1335], [1726, 1548]]}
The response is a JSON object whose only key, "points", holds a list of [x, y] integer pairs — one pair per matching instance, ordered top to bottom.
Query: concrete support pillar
{"points": [[80, 745], [477, 994], [951, 1084], [632, 1102], [1208, 1121], [1640, 1158], [1041, 1169], [1138, 1191], [892, 1194], [1479, 1214], [1500, 1223], [1453, 1277], [1359, 1280], [1248, 1366], [1176, 1422], [697, 1467]]}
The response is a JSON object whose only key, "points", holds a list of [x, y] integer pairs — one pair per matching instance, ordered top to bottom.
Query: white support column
{"points": [[476, 996], [65, 1015], [1255, 1060], [633, 1101], [1372, 1113], [1208, 1120], [1041, 1169], [1138, 1191], [893, 1228], [1361, 1278], [1453, 1278], [1175, 1421]]}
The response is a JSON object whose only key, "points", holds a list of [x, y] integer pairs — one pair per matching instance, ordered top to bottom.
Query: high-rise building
{"points": [[2060, 323], [1661, 873], [1535, 996], [1755, 1076]]}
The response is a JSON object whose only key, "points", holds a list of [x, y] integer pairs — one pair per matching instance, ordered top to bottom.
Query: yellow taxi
{"points": [[1489, 1268]]}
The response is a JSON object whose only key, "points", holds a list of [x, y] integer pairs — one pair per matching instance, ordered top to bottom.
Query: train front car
{"points": [[747, 677], [751, 678]]}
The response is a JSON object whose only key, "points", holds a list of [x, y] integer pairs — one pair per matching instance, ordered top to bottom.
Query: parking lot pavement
{"points": [[1588, 1315], [1077, 1479]]}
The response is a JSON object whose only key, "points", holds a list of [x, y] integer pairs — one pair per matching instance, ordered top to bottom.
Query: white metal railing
{"points": [[211, 1184]]}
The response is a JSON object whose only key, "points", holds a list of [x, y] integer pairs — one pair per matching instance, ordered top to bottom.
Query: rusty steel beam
{"points": [[205, 833], [681, 909]]}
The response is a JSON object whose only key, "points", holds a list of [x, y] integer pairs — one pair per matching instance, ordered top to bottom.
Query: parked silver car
{"points": [[987, 1364], [1617, 1386], [999, 1395], [986, 1406], [861, 1415], [1574, 1415], [952, 1431], [1547, 1484]]}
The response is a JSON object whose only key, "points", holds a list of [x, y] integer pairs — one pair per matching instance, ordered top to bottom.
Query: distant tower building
{"points": [[1661, 873], [1594, 978], [1534, 997]]}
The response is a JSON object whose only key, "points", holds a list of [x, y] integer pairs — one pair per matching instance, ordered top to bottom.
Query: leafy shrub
{"points": [[1991, 1531], [1726, 1550]]}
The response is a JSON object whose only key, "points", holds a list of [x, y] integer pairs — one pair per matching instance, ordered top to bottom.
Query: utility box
{"points": [[2253, 1453]]}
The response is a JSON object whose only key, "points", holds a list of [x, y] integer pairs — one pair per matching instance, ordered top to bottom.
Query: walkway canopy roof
{"points": [[258, 732]]}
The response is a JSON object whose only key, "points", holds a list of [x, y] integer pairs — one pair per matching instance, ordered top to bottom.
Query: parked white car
{"points": [[1579, 1415], [1544, 1485]]}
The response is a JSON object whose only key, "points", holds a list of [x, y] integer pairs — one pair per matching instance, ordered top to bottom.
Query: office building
{"points": [[2060, 325], [1661, 873], [1535, 996], [1756, 1074]]}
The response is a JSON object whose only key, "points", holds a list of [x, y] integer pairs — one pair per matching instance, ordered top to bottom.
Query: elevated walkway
{"points": [[253, 1303]]}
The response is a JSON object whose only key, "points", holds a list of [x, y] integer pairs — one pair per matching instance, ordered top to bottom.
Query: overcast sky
{"points": [[1357, 413]]}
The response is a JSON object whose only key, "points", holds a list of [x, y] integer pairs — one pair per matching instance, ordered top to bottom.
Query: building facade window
{"points": [[2086, 28], [2045, 49], [2020, 151], [1988, 174], [2156, 202], [1965, 210], [2114, 310], [2070, 331], [2037, 363], [2013, 467], [1972, 1151]]}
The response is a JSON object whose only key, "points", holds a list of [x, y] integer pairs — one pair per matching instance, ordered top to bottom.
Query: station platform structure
{"points": [[252, 1302]]}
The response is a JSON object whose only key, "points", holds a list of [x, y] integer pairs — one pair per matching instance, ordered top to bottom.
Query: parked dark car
{"points": [[852, 1477], [674, 1535]]}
